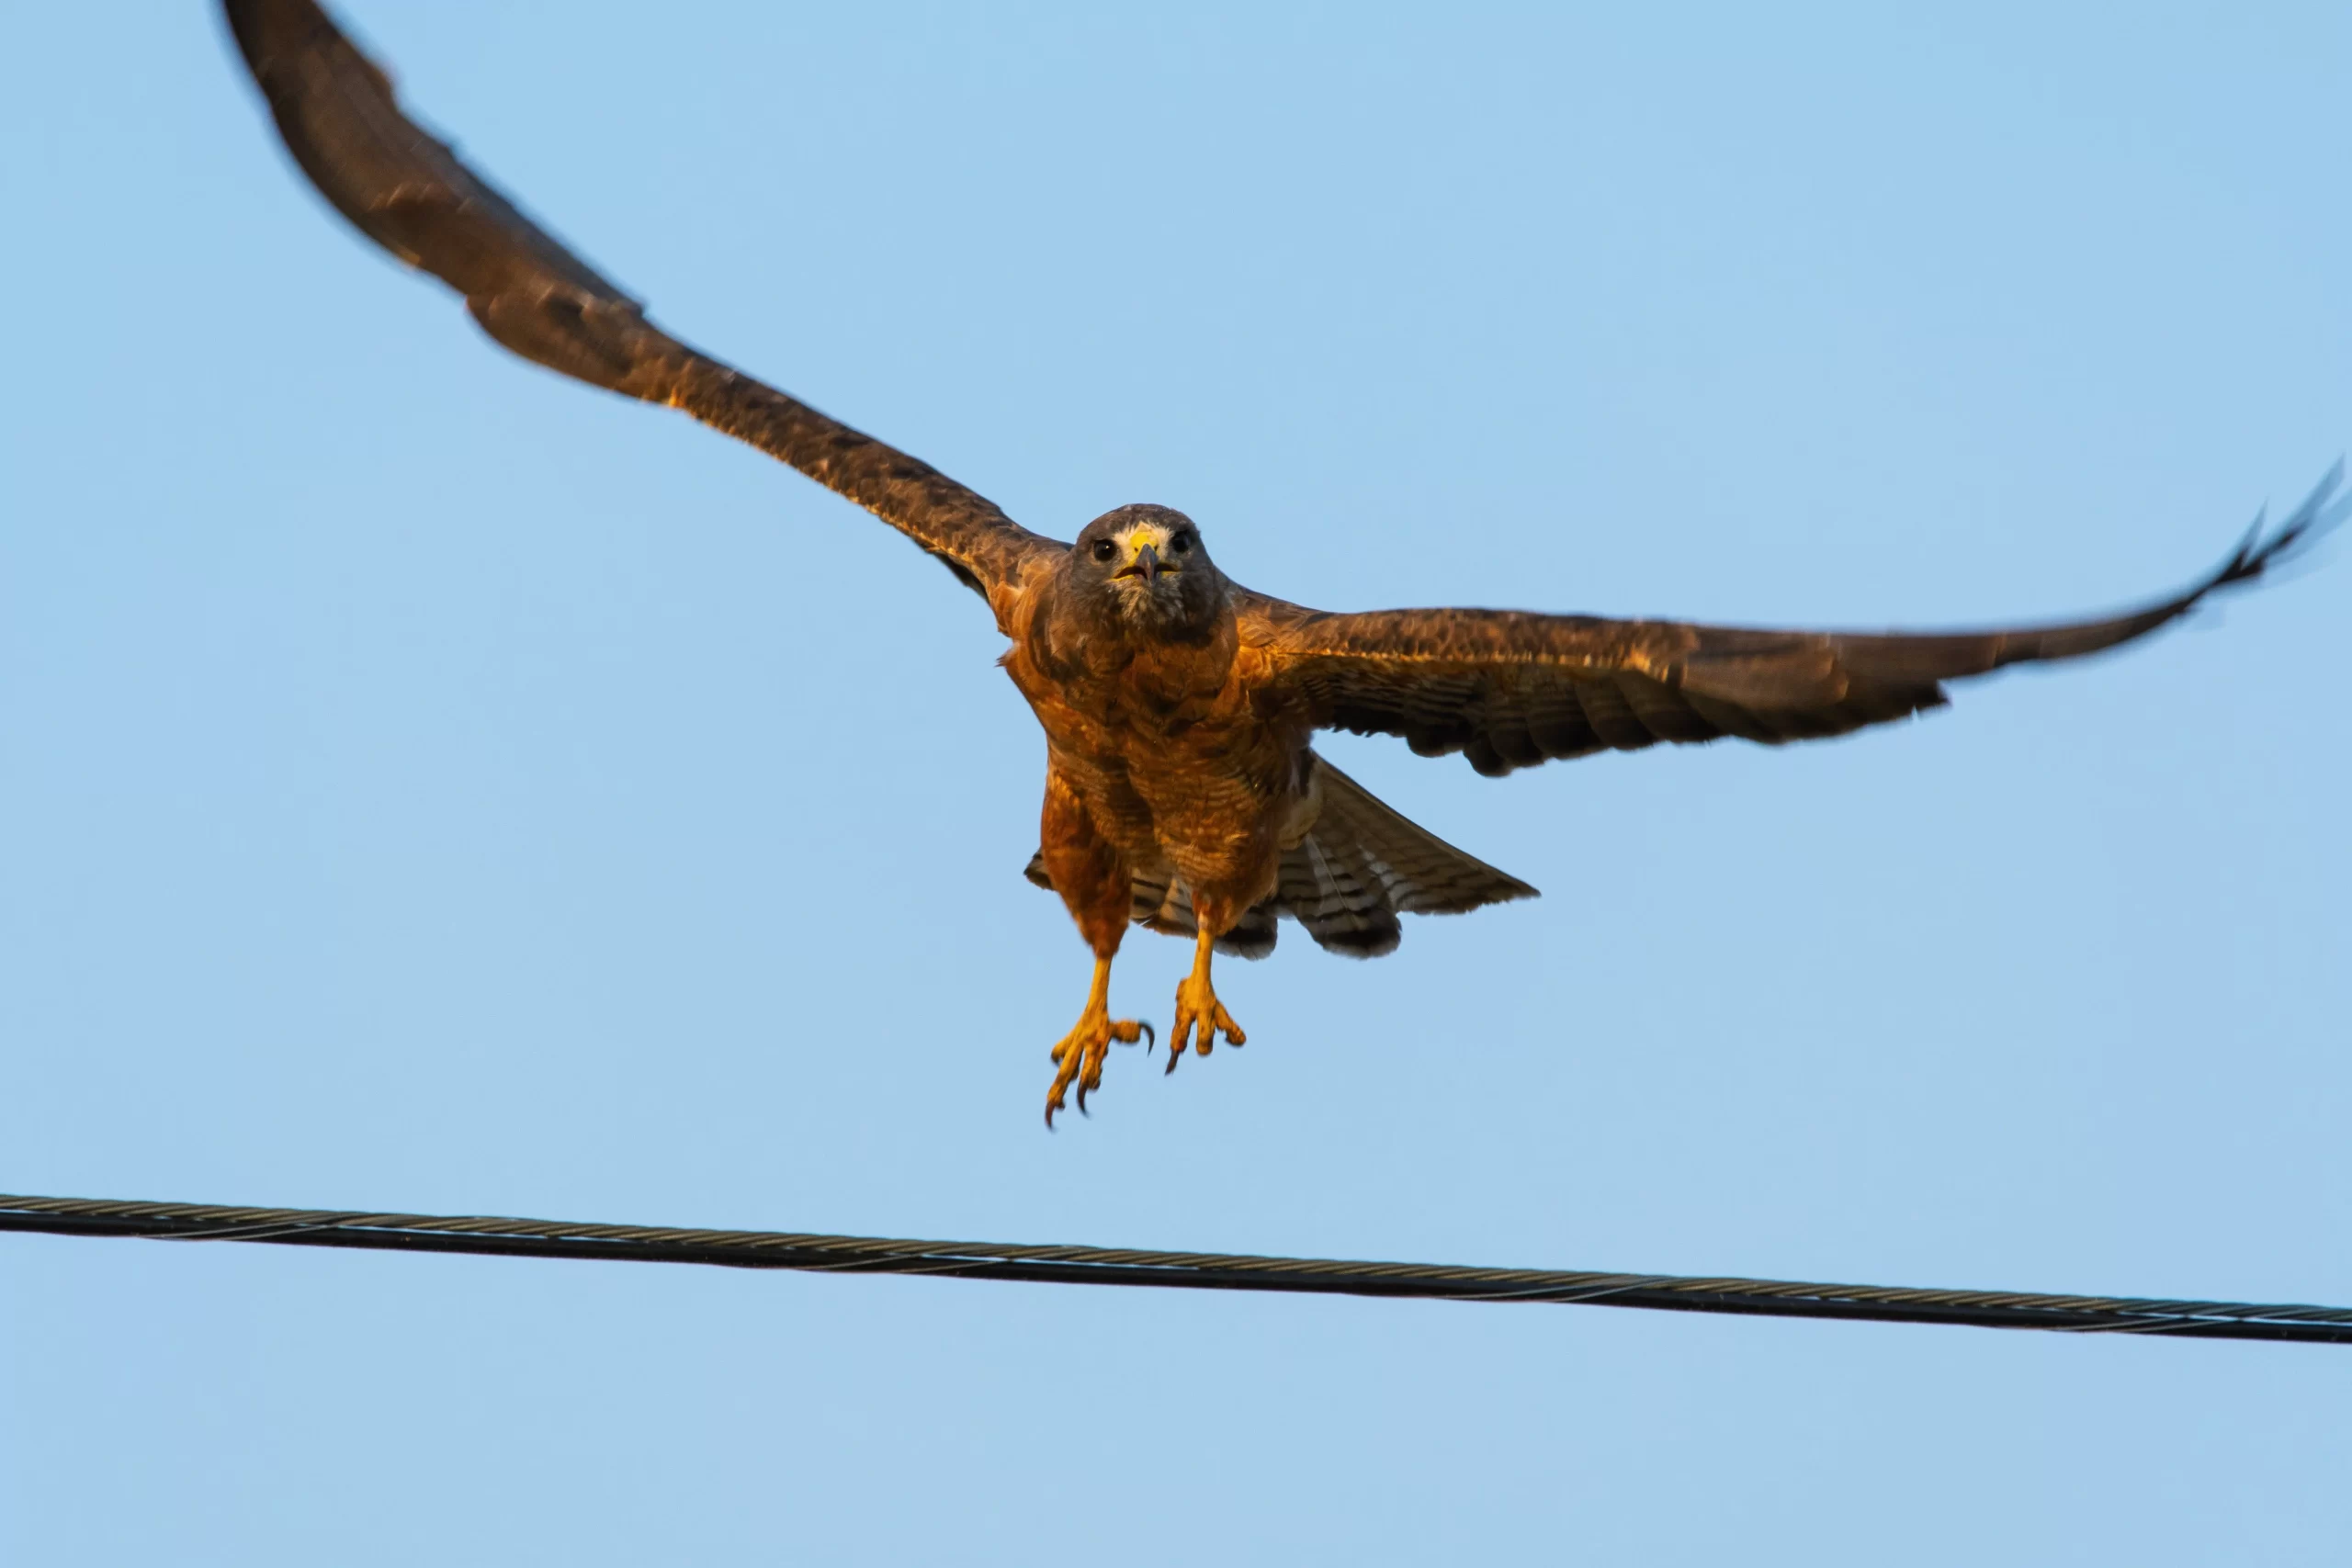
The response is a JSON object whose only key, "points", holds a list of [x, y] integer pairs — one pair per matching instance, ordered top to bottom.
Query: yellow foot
{"points": [[1200, 1014], [1079, 1055]]}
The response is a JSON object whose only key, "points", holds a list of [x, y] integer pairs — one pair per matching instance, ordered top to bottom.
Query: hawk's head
{"points": [[1145, 565]]}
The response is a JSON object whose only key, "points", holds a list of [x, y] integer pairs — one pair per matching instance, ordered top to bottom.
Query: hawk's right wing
{"points": [[410, 194]]}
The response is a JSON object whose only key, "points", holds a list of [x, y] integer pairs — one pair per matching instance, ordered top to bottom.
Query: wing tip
{"points": [[2320, 514]]}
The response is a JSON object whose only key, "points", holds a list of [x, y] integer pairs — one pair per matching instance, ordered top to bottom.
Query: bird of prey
{"points": [[1181, 790]]}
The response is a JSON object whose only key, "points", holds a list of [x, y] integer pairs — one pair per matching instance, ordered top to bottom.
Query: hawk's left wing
{"points": [[409, 193], [1512, 689]]}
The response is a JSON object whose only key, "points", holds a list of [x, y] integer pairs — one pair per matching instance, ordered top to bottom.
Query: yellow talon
{"points": [[1199, 1014], [1079, 1055]]}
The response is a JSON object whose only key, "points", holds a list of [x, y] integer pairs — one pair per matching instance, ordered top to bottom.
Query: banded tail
{"points": [[1359, 867]]}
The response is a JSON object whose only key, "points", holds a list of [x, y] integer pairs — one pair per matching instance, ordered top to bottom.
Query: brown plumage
{"points": [[1181, 792]]}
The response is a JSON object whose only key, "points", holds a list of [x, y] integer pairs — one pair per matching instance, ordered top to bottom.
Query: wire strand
{"points": [[489, 1236]]}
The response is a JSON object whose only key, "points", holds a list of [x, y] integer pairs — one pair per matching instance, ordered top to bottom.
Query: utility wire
{"points": [[1179, 1270]]}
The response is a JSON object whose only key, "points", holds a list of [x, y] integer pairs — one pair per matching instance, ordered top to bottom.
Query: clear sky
{"points": [[429, 785]]}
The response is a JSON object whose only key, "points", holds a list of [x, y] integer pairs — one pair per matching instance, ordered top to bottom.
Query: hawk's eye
{"points": [[1183, 543], [1105, 551]]}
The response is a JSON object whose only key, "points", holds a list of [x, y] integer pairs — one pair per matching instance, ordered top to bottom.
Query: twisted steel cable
{"points": [[1179, 1270]]}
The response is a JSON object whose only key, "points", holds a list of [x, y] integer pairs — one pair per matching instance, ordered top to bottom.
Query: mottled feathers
{"points": [[1510, 689], [1358, 868]]}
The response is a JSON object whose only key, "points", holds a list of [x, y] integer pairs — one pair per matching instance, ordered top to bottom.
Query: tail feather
{"points": [[1364, 864], [1357, 869], [1322, 886]]}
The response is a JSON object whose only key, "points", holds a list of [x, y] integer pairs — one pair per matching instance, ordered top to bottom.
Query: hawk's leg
{"points": [[1093, 881], [1197, 1009], [1079, 1055]]}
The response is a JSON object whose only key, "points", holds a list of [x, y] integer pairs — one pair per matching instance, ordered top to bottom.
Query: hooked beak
{"points": [[1145, 565]]}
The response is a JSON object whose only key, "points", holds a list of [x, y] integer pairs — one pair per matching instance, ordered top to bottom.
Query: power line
{"points": [[1178, 1271]]}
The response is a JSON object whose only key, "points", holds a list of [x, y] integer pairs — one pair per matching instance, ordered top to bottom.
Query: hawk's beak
{"points": [[1145, 565]]}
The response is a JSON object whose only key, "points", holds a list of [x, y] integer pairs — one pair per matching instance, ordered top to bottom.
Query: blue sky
{"points": [[428, 785]]}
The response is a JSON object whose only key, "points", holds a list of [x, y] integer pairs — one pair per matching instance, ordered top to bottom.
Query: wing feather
{"points": [[406, 190], [1509, 688]]}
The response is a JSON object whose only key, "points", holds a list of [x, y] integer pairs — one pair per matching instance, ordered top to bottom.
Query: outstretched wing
{"points": [[410, 194], [1512, 689]]}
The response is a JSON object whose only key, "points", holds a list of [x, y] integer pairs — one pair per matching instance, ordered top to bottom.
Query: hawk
{"points": [[1183, 791]]}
